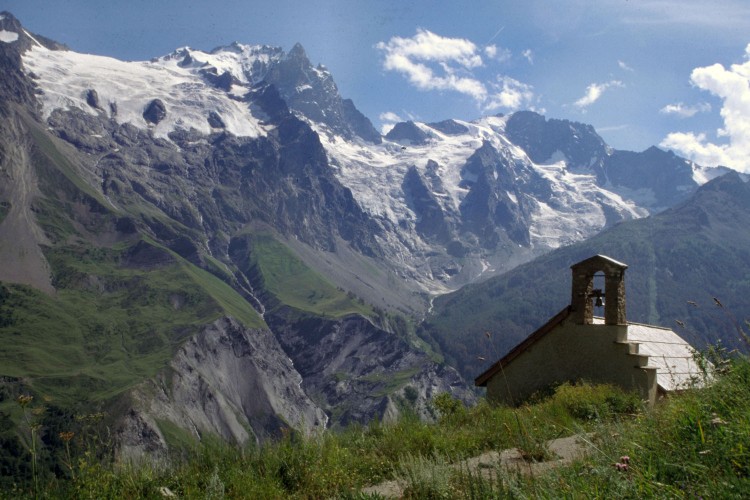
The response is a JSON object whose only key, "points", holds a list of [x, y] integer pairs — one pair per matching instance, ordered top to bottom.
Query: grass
{"points": [[47, 154], [294, 284], [227, 298], [392, 381], [695, 444], [339, 464]]}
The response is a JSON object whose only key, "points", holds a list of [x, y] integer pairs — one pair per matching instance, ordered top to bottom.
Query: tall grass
{"points": [[693, 444]]}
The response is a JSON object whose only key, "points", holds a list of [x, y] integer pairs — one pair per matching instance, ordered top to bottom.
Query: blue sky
{"points": [[642, 72]]}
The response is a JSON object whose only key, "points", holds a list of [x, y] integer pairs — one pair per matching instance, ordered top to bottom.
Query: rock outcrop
{"points": [[155, 111], [358, 371], [227, 381]]}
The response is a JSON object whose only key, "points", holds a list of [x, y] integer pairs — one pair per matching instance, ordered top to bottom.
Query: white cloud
{"points": [[427, 46], [497, 53], [410, 55], [529, 55], [433, 62], [623, 65], [732, 85], [594, 92], [511, 94], [685, 111], [390, 116], [388, 120], [697, 148]]}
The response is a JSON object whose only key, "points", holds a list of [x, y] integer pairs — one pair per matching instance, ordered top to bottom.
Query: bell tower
{"points": [[583, 291]]}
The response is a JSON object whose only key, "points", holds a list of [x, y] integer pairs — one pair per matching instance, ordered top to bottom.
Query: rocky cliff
{"points": [[226, 381]]}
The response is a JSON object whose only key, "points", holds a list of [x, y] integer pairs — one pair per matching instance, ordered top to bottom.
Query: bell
{"points": [[598, 294]]}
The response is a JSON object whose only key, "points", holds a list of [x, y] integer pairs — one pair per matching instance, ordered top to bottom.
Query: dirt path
{"points": [[566, 450]]}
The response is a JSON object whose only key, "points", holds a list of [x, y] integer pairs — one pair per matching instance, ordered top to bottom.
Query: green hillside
{"points": [[294, 284], [108, 326]]}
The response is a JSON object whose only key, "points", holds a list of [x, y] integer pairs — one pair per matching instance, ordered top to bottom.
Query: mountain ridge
{"points": [[679, 261]]}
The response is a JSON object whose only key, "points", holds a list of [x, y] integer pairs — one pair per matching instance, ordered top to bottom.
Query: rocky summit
{"points": [[219, 243]]}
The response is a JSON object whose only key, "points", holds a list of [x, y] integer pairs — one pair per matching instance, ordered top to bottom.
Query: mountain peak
{"points": [[9, 20], [11, 30], [12, 33], [297, 52]]}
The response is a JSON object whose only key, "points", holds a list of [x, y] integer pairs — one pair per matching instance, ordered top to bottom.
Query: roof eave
{"points": [[543, 330]]}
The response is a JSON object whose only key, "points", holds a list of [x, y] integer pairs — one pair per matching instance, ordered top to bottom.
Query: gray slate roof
{"points": [[669, 353]]}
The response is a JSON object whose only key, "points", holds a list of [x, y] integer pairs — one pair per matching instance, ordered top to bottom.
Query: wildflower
{"points": [[24, 400], [718, 421], [66, 436], [622, 465], [166, 492]]}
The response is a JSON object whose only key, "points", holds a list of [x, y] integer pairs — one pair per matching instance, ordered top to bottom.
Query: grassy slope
{"points": [[296, 285], [108, 327], [696, 444]]}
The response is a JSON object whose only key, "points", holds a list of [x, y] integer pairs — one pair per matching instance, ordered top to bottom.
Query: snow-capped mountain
{"points": [[238, 182], [474, 199], [457, 201], [192, 250]]}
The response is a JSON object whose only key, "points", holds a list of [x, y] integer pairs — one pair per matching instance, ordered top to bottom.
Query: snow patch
{"points": [[8, 36], [556, 157], [702, 175]]}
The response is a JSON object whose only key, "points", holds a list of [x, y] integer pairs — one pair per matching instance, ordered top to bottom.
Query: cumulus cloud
{"points": [[427, 46], [410, 56], [432, 62], [732, 85], [594, 92], [511, 94], [684, 110], [390, 116], [698, 148]]}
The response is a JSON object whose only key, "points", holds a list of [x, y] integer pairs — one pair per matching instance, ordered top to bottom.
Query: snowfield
{"points": [[66, 77], [375, 173]]}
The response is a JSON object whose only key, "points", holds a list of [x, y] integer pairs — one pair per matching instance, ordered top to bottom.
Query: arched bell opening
{"points": [[598, 281]]}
